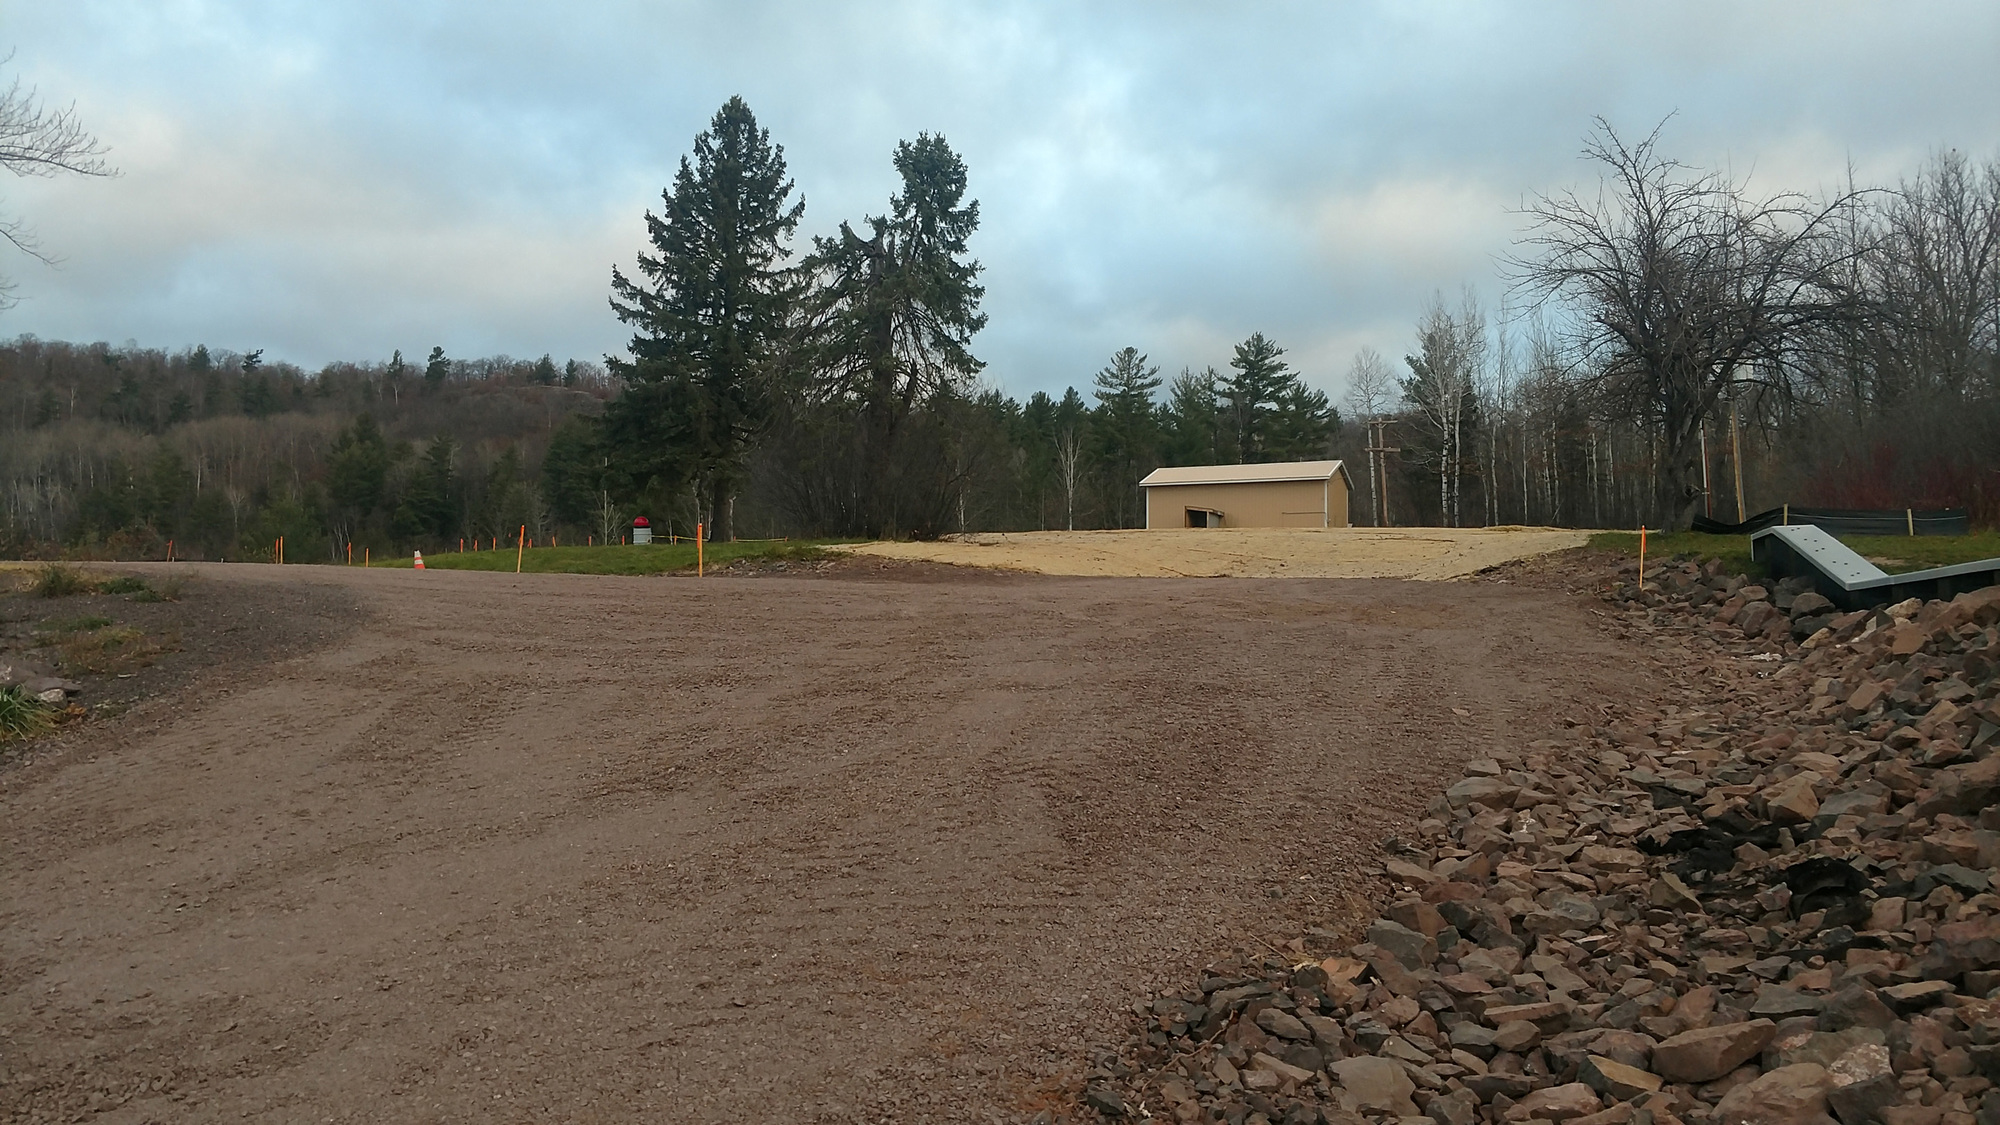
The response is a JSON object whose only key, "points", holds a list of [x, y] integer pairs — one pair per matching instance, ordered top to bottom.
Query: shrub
{"points": [[56, 580]]}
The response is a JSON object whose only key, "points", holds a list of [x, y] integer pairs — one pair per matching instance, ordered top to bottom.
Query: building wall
{"points": [[1290, 503]]}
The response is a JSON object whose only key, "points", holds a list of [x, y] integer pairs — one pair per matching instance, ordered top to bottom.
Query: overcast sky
{"points": [[336, 180]]}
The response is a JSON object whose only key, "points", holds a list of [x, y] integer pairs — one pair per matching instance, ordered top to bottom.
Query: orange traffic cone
{"points": [[420, 560]]}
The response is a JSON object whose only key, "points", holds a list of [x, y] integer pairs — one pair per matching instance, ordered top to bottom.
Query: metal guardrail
{"points": [[1852, 582]]}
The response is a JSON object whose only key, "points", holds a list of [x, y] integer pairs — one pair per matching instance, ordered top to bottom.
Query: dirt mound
{"points": [[1429, 553]]}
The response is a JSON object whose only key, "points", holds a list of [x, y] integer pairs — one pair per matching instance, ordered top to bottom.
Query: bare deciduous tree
{"points": [[38, 141], [1678, 285], [1445, 373], [1371, 391], [1069, 458]]}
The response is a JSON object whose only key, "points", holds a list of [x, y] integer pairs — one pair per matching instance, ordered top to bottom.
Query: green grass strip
{"points": [[1896, 554], [656, 558]]}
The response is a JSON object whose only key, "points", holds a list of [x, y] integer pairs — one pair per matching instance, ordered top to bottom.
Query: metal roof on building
{"points": [[1244, 474]]}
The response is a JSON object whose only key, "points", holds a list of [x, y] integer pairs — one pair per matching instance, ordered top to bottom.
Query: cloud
{"points": [[335, 181]]}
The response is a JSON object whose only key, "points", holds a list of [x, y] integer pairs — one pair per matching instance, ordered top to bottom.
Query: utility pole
{"points": [[1378, 449], [1736, 454]]}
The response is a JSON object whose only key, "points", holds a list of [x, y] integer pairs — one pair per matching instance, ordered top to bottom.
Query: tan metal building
{"points": [[1280, 494]]}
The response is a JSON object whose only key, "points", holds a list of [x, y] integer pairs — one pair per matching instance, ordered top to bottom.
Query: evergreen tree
{"points": [[715, 302], [901, 307], [436, 369], [544, 371], [569, 373], [1249, 395], [259, 400], [1192, 422], [1302, 424], [1125, 431], [356, 471], [571, 471], [508, 504], [430, 505]]}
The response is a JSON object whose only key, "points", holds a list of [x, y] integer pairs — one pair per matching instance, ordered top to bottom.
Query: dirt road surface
{"points": [[1430, 553], [745, 849]]}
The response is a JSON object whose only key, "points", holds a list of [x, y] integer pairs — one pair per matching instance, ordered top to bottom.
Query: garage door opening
{"points": [[1204, 517]]}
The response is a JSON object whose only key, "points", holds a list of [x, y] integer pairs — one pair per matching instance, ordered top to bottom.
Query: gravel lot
{"points": [[856, 847]]}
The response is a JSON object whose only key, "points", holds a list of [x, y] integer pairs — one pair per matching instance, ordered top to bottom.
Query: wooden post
{"points": [[1707, 495], [1788, 515], [1910, 515], [520, 545], [170, 550], [697, 550], [350, 552], [1642, 556], [366, 560]]}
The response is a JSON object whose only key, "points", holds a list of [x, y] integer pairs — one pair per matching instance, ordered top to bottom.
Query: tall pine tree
{"points": [[713, 301], [899, 311], [1251, 392], [1127, 431]]}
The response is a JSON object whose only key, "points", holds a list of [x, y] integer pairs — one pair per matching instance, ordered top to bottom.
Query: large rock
{"points": [[20, 669], [1962, 789], [1489, 791], [1791, 801], [1961, 947], [1411, 948], [1857, 1005], [1283, 1024], [1821, 1047], [1708, 1053], [1616, 1080], [1861, 1084], [1374, 1085], [1789, 1095], [1556, 1103], [1456, 1107]]}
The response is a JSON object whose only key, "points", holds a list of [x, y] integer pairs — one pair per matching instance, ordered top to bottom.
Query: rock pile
{"points": [[1773, 905]]}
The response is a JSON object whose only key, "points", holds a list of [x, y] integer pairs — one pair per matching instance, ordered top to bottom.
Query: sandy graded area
{"points": [[1427, 553], [555, 847]]}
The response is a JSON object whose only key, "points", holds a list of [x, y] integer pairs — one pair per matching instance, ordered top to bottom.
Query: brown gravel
{"points": [[801, 849]]}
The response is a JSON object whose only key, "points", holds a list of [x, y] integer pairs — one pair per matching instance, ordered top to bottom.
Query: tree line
{"points": [[1670, 329], [1659, 333]]}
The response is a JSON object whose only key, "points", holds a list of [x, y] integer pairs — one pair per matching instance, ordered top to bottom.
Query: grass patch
{"points": [[1733, 550], [1899, 553], [1895, 554], [655, 558], [60, 580], [63, 626], [96, 647], [22, 715]]}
